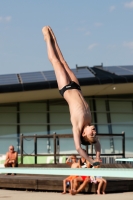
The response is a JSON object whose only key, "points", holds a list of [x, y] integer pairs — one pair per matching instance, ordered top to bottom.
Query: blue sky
{"points": [[89, 32]]}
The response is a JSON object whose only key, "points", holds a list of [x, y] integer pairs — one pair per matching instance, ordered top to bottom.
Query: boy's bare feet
{"points": [[45, 31], [52, 33], [56, 45], [103, 192]]}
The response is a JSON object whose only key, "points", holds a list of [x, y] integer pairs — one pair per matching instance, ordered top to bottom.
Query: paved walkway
{"points": [[26, 195]]}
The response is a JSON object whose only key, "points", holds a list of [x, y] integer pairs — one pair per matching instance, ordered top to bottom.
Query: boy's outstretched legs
{"points": [[61, 58], [62, 71]]}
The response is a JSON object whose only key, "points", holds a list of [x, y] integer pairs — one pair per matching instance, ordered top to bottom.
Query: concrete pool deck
{"points": [[27, 195]]}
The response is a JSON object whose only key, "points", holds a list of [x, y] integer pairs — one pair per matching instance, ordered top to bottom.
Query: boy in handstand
{"points": [[69, 87]]}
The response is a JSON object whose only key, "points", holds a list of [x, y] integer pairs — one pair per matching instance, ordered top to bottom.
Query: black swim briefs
{"points": [[71, 85]]}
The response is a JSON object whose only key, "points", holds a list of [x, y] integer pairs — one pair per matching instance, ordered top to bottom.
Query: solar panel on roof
{"points": [[120, 70], [79, 73], [83, 73], [49, 75], [32, 77], [8, 79]]}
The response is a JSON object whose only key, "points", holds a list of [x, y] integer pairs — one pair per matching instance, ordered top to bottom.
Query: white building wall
{"points": [[33, 120]]}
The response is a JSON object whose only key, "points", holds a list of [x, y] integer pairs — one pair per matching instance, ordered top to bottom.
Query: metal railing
{"points": [[56, 141]]}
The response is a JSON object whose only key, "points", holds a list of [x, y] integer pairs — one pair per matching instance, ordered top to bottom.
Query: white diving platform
{"points": [[124, 159], [105, 172]]}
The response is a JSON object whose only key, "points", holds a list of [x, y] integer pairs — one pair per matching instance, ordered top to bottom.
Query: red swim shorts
{"points": [[83, 177]]}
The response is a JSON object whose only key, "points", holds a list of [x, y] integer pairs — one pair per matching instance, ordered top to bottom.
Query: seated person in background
{"points": [[11, 158], [83, 163], [69, 180], [102, 183]]}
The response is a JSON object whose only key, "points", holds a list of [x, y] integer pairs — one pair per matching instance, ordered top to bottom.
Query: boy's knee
{"points": [[53, 60]]}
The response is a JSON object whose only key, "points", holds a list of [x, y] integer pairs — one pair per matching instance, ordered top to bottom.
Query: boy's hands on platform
{"points": [[97, 162]]}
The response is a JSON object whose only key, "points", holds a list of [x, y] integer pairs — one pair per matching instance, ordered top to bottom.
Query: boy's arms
{"points": [[77, 141], [97, 146], [82, 153]]}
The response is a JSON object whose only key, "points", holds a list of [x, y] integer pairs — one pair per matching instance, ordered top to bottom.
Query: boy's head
{"points": [[89, 135]]}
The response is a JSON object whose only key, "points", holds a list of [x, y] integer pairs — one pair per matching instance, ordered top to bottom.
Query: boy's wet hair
{"points": [[87, 141]]}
